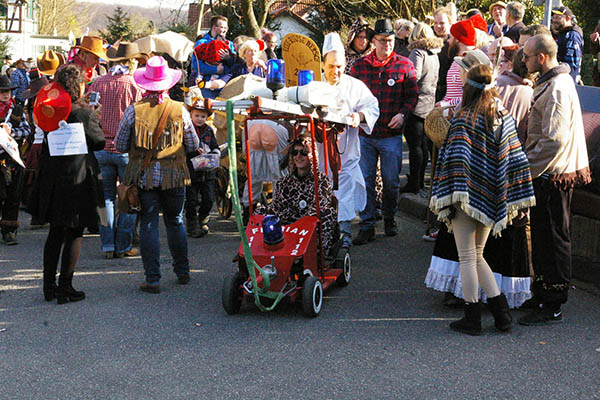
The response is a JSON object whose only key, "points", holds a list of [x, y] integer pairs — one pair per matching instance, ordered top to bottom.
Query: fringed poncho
{"points": [[484, 172]]}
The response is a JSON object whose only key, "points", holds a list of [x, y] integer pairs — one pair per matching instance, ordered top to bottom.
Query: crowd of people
{"points": [[506, 169]]}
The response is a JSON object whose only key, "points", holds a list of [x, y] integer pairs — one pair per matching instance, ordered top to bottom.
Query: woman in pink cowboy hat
{"points": [[157, 132]]}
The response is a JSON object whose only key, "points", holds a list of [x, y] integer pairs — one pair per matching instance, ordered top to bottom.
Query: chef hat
{"points": [[333, 42]]}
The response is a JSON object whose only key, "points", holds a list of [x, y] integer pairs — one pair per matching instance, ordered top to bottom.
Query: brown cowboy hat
{"points": [[94, 45], [126, 51], [49, 62], [203, 104]]}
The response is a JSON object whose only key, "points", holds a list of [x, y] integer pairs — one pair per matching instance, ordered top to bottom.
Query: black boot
{"points": [[191, 225], [49, 283], [65, 291], [499, 308], [471, 323]]}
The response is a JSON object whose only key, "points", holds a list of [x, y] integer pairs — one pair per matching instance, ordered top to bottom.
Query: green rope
{"points": [[237, 208]]}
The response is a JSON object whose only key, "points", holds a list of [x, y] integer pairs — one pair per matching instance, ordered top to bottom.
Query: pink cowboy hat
{"points": [[156, 75]]}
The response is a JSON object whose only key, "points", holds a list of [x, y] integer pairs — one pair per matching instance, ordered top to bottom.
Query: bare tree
{"points": [[173, 12], [255, 15], [57, 17]]}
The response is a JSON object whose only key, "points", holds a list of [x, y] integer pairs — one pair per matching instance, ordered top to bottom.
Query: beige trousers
{"points": [[470, 236]]}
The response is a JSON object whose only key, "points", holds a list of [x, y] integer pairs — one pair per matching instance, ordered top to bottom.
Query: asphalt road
{"points": [[385, 336]]}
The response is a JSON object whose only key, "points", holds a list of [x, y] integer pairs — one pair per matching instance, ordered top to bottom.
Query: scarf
{"points": [[376, 62], [119, 70], [161, 95], [5, 106], [484, 172]]}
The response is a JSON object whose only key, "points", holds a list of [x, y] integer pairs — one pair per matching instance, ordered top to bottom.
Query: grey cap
{"points": [[472, 58]]}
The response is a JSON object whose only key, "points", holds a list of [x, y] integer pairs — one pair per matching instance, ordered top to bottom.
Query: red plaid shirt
{"points": [[394, 85], [117, 92]]}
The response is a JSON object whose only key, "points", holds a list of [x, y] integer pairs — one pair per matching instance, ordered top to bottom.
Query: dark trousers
{"points": [[418, 151], [11, 182], [199, 199], [69, 241], [551, 242]]}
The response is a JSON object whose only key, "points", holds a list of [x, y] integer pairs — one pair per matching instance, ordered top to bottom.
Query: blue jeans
{"points": [[389, 152], [170, 201], [346, 230], [118, 234]]}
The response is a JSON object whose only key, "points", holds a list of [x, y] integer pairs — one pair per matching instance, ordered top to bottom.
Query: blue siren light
{"points": [[275, 75], [305, 76], [272, 230]]}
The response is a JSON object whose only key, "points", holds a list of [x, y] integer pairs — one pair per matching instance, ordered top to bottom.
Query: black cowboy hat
{"points": [[383, 27], [38, 81], [5, 83]]}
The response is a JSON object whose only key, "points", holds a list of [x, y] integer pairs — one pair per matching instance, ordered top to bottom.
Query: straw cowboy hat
{"points": [[92, 44], [126, 51], [49, 62], [156, 75], [37, 83], [52, 105]]}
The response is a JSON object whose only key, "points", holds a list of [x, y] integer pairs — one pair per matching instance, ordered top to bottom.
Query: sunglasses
{"points": [[295, 152]]}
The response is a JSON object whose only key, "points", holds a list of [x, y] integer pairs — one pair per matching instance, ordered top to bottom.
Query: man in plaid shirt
{"points": [[391, 78], [117, 91]]}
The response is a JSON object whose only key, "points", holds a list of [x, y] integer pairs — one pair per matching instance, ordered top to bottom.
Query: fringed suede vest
{"points": [[169, 150]]}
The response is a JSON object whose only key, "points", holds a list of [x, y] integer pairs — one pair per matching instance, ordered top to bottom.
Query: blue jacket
{"points": [[570, 49], [205, 69]]}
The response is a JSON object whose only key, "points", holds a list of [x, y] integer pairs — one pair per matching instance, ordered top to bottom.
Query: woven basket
{"points": [[436, 126]]}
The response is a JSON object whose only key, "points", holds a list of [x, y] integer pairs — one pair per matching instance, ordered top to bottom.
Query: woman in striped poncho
{"points": [[482, 182]]}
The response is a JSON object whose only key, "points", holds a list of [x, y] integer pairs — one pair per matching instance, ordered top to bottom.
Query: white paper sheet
{"points": [[67, 140]]}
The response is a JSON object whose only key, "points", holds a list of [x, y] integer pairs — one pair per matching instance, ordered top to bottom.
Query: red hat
{"points": [[479, 22], [464, 32], [209, 52], [52, 105]]}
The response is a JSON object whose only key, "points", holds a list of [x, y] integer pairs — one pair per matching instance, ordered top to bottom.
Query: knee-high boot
{"points": [[49, 282], [499, 308], [471, 323]]}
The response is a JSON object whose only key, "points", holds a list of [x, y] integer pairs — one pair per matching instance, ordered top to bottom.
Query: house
{"points": [[286, 16], [293, 17], [18, 19]]}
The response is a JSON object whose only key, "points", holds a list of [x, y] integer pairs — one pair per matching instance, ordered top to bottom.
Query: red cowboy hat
{"points": [[52, 105]]}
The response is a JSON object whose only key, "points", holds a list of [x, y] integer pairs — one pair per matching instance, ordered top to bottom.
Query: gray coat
{"points": [[424, 56]]}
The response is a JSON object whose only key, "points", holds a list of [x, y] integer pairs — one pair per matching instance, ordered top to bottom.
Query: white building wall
{"points": [[290, 25], [23, 45]]}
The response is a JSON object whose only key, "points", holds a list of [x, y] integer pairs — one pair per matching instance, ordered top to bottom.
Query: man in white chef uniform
{"points": [[359, 103]]}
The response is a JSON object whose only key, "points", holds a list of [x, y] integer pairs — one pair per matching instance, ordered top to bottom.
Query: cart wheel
{"points": [[221, 193], [344, 278], [231, 294], [312, 297]]}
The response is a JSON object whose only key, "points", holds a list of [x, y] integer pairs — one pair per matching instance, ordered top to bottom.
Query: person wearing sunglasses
{"points": [[392, 80], [294, 194]]}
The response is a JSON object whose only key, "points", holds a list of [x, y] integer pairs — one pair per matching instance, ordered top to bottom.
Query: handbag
{"points": [[128, 199]]}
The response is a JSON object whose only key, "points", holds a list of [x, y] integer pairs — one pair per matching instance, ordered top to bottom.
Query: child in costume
{"points": [[11, 172], [200, 196]]}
